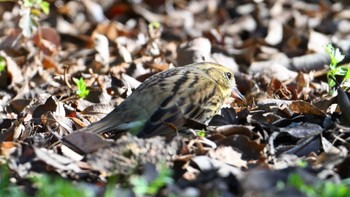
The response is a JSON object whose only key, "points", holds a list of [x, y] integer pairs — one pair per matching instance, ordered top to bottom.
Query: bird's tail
{"points": [[106, 124], [110, 124]]}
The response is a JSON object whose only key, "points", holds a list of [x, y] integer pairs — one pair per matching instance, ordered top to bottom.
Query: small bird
{"points": [[163, 102]]}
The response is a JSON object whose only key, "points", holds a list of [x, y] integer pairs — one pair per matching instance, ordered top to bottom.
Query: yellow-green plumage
{"points": [[195, 91]]}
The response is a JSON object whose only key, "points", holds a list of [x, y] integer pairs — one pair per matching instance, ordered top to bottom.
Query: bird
{"points": [[163, 102]]}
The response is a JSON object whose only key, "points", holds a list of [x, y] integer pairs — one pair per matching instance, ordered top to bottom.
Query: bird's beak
{"points": [[236, 94]]}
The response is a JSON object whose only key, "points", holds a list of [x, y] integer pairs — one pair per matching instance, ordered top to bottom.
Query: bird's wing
{"points": [[171, 116], [157, 124]]}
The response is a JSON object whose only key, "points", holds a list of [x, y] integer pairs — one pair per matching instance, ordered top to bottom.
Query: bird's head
{"points": [[224, 77]]}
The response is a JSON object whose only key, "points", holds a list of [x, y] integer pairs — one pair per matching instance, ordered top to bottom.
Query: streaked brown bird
{"points": [[162, 104]]}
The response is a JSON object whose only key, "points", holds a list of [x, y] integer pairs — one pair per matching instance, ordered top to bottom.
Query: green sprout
{"points": [[44, 5], [32, 12], [154, 25], [154, 29], [2, 64], [335, 70], [82, 92], [201, 133], [302, 163], [296, 181], [49, 185], [111, 186], [143, 187], [7, 188], [322, 189]]}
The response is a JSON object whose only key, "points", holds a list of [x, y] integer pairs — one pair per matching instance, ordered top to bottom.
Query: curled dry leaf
{"points": [[48, 40], [101, 45], [197, 50], [304, 107], [84, 143], [250, 149], [228, 155], [24, 159], [204, 163]]}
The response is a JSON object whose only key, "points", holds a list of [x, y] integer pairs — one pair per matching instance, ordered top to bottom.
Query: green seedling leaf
{"points": [[28, 3], [34, 5], [45, 7], [154, 25], [154, 29], [335, 55], [338, 56], [2, 64], [334, 70], [341, 70], [347, 75], [331, 78], [346, 81], [82, 91], [201, 133], [302, 164], [163, 178], [296, 181], [140, 184], [56, 186], [143, 187], [7, 188], [323, 189], [330, 189], [110, 190]]}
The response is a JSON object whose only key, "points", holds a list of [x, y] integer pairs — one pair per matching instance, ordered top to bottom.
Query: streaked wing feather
{"points": [[168, 112]]}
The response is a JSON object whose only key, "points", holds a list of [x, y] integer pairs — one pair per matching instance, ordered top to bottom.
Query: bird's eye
{"points": [[228, 75]]}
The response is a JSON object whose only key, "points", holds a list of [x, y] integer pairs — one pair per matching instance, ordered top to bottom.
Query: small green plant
{"points": [[44, 5], [32, 13], [154, 25], [154, 30], [2, 64], [335, 70], [82, 92], [201, 133], [302, 164], [296, 181], [46, 185], [55, 186], [111, 186], [6, 187], [143, 187], [323, 189], [330, 189]]}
